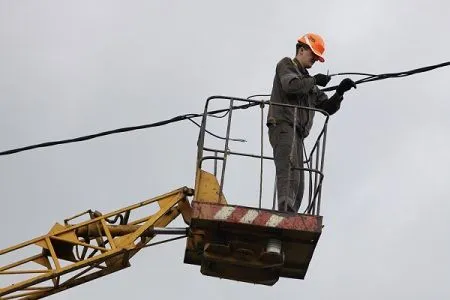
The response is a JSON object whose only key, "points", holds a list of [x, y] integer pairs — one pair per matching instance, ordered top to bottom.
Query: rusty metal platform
{"points": [[237, 242]]}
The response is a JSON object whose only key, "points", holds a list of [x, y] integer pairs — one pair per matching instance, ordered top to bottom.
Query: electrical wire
{"points": [[352, 73], [372, 77], [369, 78], [121, 130], [215, 135]]}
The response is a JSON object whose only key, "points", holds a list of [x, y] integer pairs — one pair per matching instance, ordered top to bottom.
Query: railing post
{"points": [[261, 105], [225, 154]]}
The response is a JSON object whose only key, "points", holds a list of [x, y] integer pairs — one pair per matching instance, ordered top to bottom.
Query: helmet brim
{"points": [[319, 55]]}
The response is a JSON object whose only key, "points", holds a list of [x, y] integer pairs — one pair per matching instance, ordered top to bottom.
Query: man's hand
{"points": [[321, 79], [345, 85]]}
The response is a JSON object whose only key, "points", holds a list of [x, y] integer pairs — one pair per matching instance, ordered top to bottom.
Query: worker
{"points": [[293, 85]]}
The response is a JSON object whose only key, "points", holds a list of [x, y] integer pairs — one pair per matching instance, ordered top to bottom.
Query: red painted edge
{"points": [[206, 211]]}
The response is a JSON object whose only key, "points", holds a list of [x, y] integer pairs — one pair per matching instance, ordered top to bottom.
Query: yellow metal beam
{"points": [[207, 188], [105, 247]]}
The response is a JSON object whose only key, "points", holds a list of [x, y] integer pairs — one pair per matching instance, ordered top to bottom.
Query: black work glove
{"points": [[322, 79], [345, 85]]}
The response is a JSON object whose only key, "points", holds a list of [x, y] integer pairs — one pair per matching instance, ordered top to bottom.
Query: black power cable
{"points": [[372, 77], [369, 78], [124, 129], [92, 136]]}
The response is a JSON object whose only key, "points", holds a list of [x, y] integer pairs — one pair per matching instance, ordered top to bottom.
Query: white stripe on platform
{"points": [[224, 213], [249, 217], [274, 221]]}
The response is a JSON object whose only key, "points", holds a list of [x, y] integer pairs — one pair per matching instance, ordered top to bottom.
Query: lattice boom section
{"points": [[75, 253]]}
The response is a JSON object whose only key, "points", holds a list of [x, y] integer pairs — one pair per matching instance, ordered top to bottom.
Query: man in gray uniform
{"points": [[294, 86]]}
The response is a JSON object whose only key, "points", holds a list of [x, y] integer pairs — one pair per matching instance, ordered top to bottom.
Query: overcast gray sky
{"points": [[69, 68]]}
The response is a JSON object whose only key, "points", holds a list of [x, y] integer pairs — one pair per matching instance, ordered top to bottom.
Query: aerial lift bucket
{"points": [[249, 244]]}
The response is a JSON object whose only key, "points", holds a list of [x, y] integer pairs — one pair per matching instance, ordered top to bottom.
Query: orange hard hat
{"points": [[315, 42]]}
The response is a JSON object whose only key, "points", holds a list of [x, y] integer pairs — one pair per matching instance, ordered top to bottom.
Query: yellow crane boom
{"points": [[72, 254]]}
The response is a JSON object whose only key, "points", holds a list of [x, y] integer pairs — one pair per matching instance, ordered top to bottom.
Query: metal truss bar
{"points": [[59, 244]]}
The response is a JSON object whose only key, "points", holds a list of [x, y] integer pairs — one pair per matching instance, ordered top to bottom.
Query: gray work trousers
{"points": [[287, 155]]}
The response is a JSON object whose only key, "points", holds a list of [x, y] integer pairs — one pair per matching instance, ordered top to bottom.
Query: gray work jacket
{"points": [[293, 85]]}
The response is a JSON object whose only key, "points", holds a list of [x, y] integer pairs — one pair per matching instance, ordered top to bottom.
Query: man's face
{"points": [[306, 57]]}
